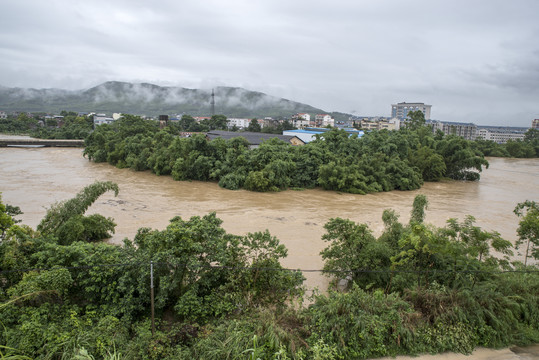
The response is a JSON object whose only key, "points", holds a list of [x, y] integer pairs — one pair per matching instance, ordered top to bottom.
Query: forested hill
{"points": [[148, 99]]}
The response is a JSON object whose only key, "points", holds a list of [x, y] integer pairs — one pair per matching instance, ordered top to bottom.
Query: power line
{"points": [[69, 267], [261, 268]]}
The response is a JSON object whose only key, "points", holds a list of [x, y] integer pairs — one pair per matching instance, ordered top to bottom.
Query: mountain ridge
{"points": [[151, 100]]}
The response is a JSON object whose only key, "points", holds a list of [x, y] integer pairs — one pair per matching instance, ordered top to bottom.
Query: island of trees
{"points": [[379, 161], [194, 291]]}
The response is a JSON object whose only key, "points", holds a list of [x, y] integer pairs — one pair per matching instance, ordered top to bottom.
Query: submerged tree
{"points": [[418, 209], [66, 219]]}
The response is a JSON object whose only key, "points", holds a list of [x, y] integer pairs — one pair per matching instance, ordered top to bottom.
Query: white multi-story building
{"points": [[401, 110], [304, 116], [301, 120], [323, 120], [239, 123], [376, 123], [535, 124], [465, 130], [500, 135]]}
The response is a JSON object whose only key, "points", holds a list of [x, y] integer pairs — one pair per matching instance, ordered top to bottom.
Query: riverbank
{"points": [[513, 353]]}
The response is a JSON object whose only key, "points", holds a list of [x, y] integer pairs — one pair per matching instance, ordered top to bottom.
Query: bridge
{"points": [[41, 142]]}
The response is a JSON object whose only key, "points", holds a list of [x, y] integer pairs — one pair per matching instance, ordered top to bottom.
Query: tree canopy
{"points": [[378, 161]]}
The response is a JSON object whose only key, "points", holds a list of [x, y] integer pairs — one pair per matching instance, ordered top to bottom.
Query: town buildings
{"points": [[100, 119], [301, 120], [322, 120], [239, 123], [376, 123], [535, 124], [465, 130], [470, 131], [309, 134], [500, 134], [254, 138]]}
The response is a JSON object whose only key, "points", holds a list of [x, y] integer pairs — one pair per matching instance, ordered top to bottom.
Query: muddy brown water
{"points": [[34, 178]]}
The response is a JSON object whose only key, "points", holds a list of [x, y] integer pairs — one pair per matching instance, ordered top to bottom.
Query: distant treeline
{"points": [[528, 148]]}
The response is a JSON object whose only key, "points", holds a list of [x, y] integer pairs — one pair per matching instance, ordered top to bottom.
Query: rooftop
{"points": [[254, 138]]}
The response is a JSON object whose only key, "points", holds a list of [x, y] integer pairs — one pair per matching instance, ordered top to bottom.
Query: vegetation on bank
{"points": [[71, 126], [528, 148], [379, 161], [416, 288]]}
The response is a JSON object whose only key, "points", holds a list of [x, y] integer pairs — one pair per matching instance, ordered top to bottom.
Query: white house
{"points": [[101, 119], [301, 120], [323, 120], [239, 123]]}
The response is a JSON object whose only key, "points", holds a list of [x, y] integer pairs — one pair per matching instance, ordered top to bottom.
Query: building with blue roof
{"points": [[309, 134]]}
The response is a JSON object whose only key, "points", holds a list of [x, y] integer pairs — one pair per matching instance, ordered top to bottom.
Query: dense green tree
{"points": [[416, 120], [27, 121], [187, 122], [216, 122], [254, 126], [490, 148], [520, 149], [461, 160], [430, 164], [418, 209], [65, 219], [6, 220], [528, 228], [479, 242], [418, 248], [354, 254]]}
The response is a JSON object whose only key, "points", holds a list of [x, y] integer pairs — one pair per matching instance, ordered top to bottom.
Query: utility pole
{"points": [[212, 102], [152, 298]]}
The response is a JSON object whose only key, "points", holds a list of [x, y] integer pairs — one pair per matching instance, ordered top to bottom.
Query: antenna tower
{"points": [[212, 102]]}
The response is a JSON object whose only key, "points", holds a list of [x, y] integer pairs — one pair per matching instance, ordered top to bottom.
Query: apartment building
{"points": [[401, 110], [465, 130], [500, 134]]}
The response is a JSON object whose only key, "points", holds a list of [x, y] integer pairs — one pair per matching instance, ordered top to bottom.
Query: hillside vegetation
{"points": [[151, 100]]}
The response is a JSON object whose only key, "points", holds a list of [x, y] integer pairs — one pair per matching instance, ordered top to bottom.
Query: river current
{"points": [[35, 178]]}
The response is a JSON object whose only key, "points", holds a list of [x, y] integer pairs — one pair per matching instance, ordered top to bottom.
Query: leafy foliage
{"points": [[379, 161], [6, 219], [66, 221], [528, 229], [414, 289], [445, 290]]}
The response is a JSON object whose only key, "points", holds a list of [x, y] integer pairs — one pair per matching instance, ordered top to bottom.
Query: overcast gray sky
{"points": [[472, 60]]}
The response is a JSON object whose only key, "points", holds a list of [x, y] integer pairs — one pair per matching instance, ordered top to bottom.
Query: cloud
{"points": [[339, 56]]}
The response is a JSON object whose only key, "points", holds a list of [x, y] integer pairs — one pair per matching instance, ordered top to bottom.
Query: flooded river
{"points": [[34, 178]]}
